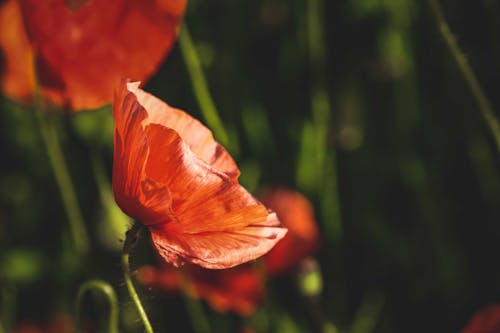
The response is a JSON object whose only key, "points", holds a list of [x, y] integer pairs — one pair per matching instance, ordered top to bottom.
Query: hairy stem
{"points": [[470, 77], [131, 238]]}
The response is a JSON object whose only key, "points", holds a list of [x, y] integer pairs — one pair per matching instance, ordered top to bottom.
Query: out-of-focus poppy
{"points": [[83, 47], [17, 78], [170, 174], [297, 215], [238, 289], [486, 320], [60, 323]]}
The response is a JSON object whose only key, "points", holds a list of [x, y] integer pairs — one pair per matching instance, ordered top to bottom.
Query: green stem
{"points": [[470, 77], [200, 87], [326, 162], [66, 188], [131, 238], [107, 290]]}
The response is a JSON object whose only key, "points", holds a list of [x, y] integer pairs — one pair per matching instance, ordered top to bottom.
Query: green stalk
{"points": [[468, 74], [200, 87], [326, 161], [66, 188], [131, 238], [107, 290]]}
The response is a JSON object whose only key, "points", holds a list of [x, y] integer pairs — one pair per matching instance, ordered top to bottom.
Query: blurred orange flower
{"points": [[83, 47], [170, 174], [297, 215], [239, 289], [486, 320], [60, 323]]}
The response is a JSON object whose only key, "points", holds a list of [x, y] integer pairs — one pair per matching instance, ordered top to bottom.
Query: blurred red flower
{"points": [[83, 47], [170, 174], [297, 215], [239, 289], [486, 320]]}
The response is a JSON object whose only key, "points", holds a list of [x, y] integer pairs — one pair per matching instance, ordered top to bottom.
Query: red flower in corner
{"points": [[83, 47], [170, 174], [297, 215], [239, 289], [487, 320]]}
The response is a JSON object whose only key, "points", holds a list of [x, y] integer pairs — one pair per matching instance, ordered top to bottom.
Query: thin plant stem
{"points": [[470, 77], [200, 87], [320, 105], [66, 188], [131, 238], [107, 290]]}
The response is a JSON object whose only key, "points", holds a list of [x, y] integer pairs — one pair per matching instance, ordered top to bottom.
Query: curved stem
{"points": [[470, 77], [200, 87], [63, 179], [131, 238], [107, 290]]}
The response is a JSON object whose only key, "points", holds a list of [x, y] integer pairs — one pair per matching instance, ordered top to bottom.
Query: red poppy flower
{"points": [[83, 47], [17, 77], [170, 174], [297, 215], [238, 289], [487, 320]]}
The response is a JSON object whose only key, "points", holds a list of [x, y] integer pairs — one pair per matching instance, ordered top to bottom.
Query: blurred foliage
{"points": [[399, 152]]}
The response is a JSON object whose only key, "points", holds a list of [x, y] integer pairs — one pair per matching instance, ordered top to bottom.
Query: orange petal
{"points": [[85, 50], [16, 56], [199, 138], [137, 195], [217, 249]]}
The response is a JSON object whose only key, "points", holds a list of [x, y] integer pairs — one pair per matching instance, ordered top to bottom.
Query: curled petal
{"points": [[199, 138], [218, 249]]}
